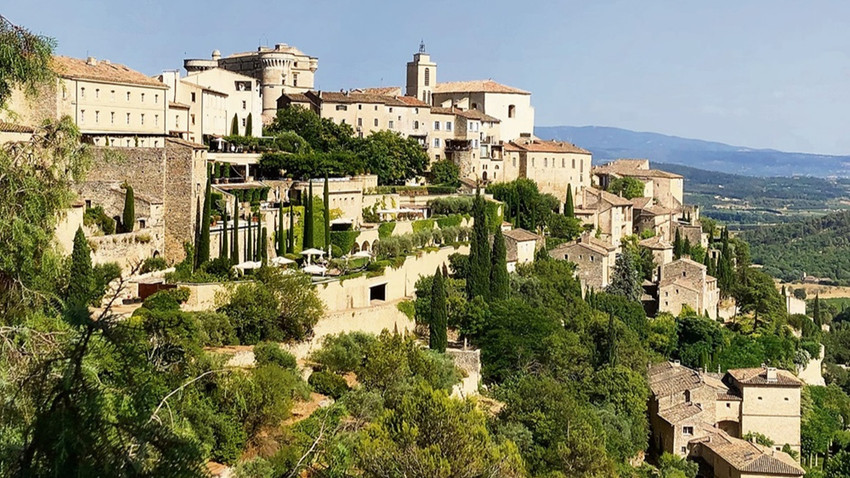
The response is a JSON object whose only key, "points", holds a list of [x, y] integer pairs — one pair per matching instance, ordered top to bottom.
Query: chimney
{"points": [[91, 61], [106, 62], [676, 363], [770, 373]]}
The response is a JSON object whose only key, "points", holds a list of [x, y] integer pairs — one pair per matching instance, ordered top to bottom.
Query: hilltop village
{"points": [[203, 178]]}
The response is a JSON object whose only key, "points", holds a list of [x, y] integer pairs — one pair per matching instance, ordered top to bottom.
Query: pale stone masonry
{"points": [[553, 165], [667, 189], [609, 213], [520, 247], [594, 260], [685, 282], [702, 415]]}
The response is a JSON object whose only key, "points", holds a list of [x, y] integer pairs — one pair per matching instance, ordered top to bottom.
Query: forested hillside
{"points": [[818, 247]]}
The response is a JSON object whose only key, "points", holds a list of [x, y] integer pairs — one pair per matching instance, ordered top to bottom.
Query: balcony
{"points": [[456, 145]]}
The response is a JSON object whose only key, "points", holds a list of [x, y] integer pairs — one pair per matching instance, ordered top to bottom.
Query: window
{"points": [[427, 77], [295, 79], [82, 92], [97, 93], [128, 96], [143, 97], [191, 97], [156, 99], [244, 104], [359, 107], [376, 107], [341, 108], [391, 109], [511, 111], [82, 116], [96, 116], [112, 117], [142, 117], [192, 117], [128, 118], [156, 120], [359, 121], [244, 122], [376, 122], [391, 124], [415, 125], [448, 125], [436, 126], [436, 142], [437, 157], [545, 162], [564, 162], [574, 163], [684, 274], [759, 398], [786, 399], [728, 405], [687, 430], [684, 449]]}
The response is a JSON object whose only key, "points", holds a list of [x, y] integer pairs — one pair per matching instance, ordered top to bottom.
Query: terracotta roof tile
{"points": [[101, 71], [477, 86], [382, 90], [468, 114], [14, 128], [536, 145], [521, 235], [656, 242], [758, 376], [679, 413], [748, 457]]}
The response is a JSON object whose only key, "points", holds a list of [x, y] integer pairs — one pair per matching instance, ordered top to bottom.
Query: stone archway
{"points": [[365, 246]]}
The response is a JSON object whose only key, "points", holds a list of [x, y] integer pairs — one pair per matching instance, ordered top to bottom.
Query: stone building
{"points": [[282, 69], [242, 99], [107, 101], [205, 109], [13, 133], [469, 138], [553, 165], [667, 189], [611, 215], [653, 218], [520, 247], [662, 252], [594, 260], [685, 282], [703, 416]]}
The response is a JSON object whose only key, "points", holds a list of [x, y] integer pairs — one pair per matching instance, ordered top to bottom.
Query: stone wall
{"points": [[66, 228], [127, 250], [469, 361]]}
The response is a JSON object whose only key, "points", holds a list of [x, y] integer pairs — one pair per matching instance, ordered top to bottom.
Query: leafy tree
{"points": [[26, 62], [234, 126], [321, 134], [392, 157], [445, 172], [626, 187], [569, 207], [626, 278], [477, 282], [499, 282], [81, 284], [800, 293], [438, 316], [674, 466], [838, 466]]}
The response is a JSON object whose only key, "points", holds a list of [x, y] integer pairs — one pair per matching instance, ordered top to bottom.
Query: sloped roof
{"points": [[103, 70], [477, 86], [382, 90], [354, 97], [410, 100], [468, 114], [14, 128], [536, 145], [605, 196], [641, 202], [521, 235], [656, 242], [758, 376], [667, 378], [679, 413], [748, 457]]}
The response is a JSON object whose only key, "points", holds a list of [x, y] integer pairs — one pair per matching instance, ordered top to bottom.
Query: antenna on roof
{"points": [[422, 46]]}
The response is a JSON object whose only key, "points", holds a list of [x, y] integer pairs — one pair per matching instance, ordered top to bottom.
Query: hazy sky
{"points": [[758, 73]]}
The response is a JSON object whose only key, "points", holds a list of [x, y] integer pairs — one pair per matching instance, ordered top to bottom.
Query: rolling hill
{"points": [[608, 143]]}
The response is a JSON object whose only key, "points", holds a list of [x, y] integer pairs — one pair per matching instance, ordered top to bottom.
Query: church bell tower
{"points": [[421, 75]]}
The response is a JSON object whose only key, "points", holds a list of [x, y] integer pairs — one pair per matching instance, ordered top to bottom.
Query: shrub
{"points": [[94, 216], [452, 220], [423, 225], [385, 230], [344, 240], [151, 264], [216, 329], [271, 353], [342, 353], [328, 384]]}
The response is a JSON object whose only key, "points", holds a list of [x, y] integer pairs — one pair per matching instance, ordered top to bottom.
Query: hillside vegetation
{"points": [[818, 247]]}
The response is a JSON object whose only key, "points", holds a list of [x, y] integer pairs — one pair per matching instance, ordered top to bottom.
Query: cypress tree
{"points": [[234, 126], [249, 128], [569, 207], [327, 215], [308, 217], [128, 218], [290, 233], [204, 239], [249, 240], [281, 244], [677, 245], [686, 246], [236, 251], [258, 251], [479, 251], [224, 252], [264, 253], [499, 283], [81, 284], [815, 307], [439, 315], [612, 341]]}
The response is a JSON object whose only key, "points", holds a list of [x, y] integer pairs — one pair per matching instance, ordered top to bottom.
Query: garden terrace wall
{"points": [[127, 250]]}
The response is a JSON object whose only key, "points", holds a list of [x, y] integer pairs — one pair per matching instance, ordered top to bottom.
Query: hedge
{"points": [[413, 190], [453, 220], [423, 225], [385, 230], [344, 240]]}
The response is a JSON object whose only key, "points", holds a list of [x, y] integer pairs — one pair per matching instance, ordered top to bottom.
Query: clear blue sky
{"points": [[758, 73]]}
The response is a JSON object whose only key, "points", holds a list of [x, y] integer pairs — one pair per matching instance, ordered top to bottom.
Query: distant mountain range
{"points": [[611, 143]]}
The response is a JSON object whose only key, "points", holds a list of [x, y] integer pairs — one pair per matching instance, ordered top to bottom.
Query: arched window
{"points": [[427, 77]]}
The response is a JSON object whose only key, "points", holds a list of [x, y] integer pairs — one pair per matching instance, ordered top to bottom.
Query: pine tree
{"points": [[234, 126], [249, 127], [569, 207], [327, 215], [308, 217], [128, 218], [290, 233], [281, 244], [677, 245], [203, 246], [236, 251], [479, 251], [626, 279], [81, 281], [499, 282], [815, 311], [438, 339]]}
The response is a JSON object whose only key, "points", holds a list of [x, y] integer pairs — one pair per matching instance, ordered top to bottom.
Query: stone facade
{"points": [[553, 165], [666, 189], [609, 214], [520, 247], [594, 260], [685, 282]]}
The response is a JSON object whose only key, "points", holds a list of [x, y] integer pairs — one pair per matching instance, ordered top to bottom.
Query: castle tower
{"points": [[421, 75]]}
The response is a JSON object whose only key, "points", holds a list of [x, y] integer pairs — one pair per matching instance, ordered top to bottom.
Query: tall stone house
{"points": [[685, 282], [704, 416]]}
